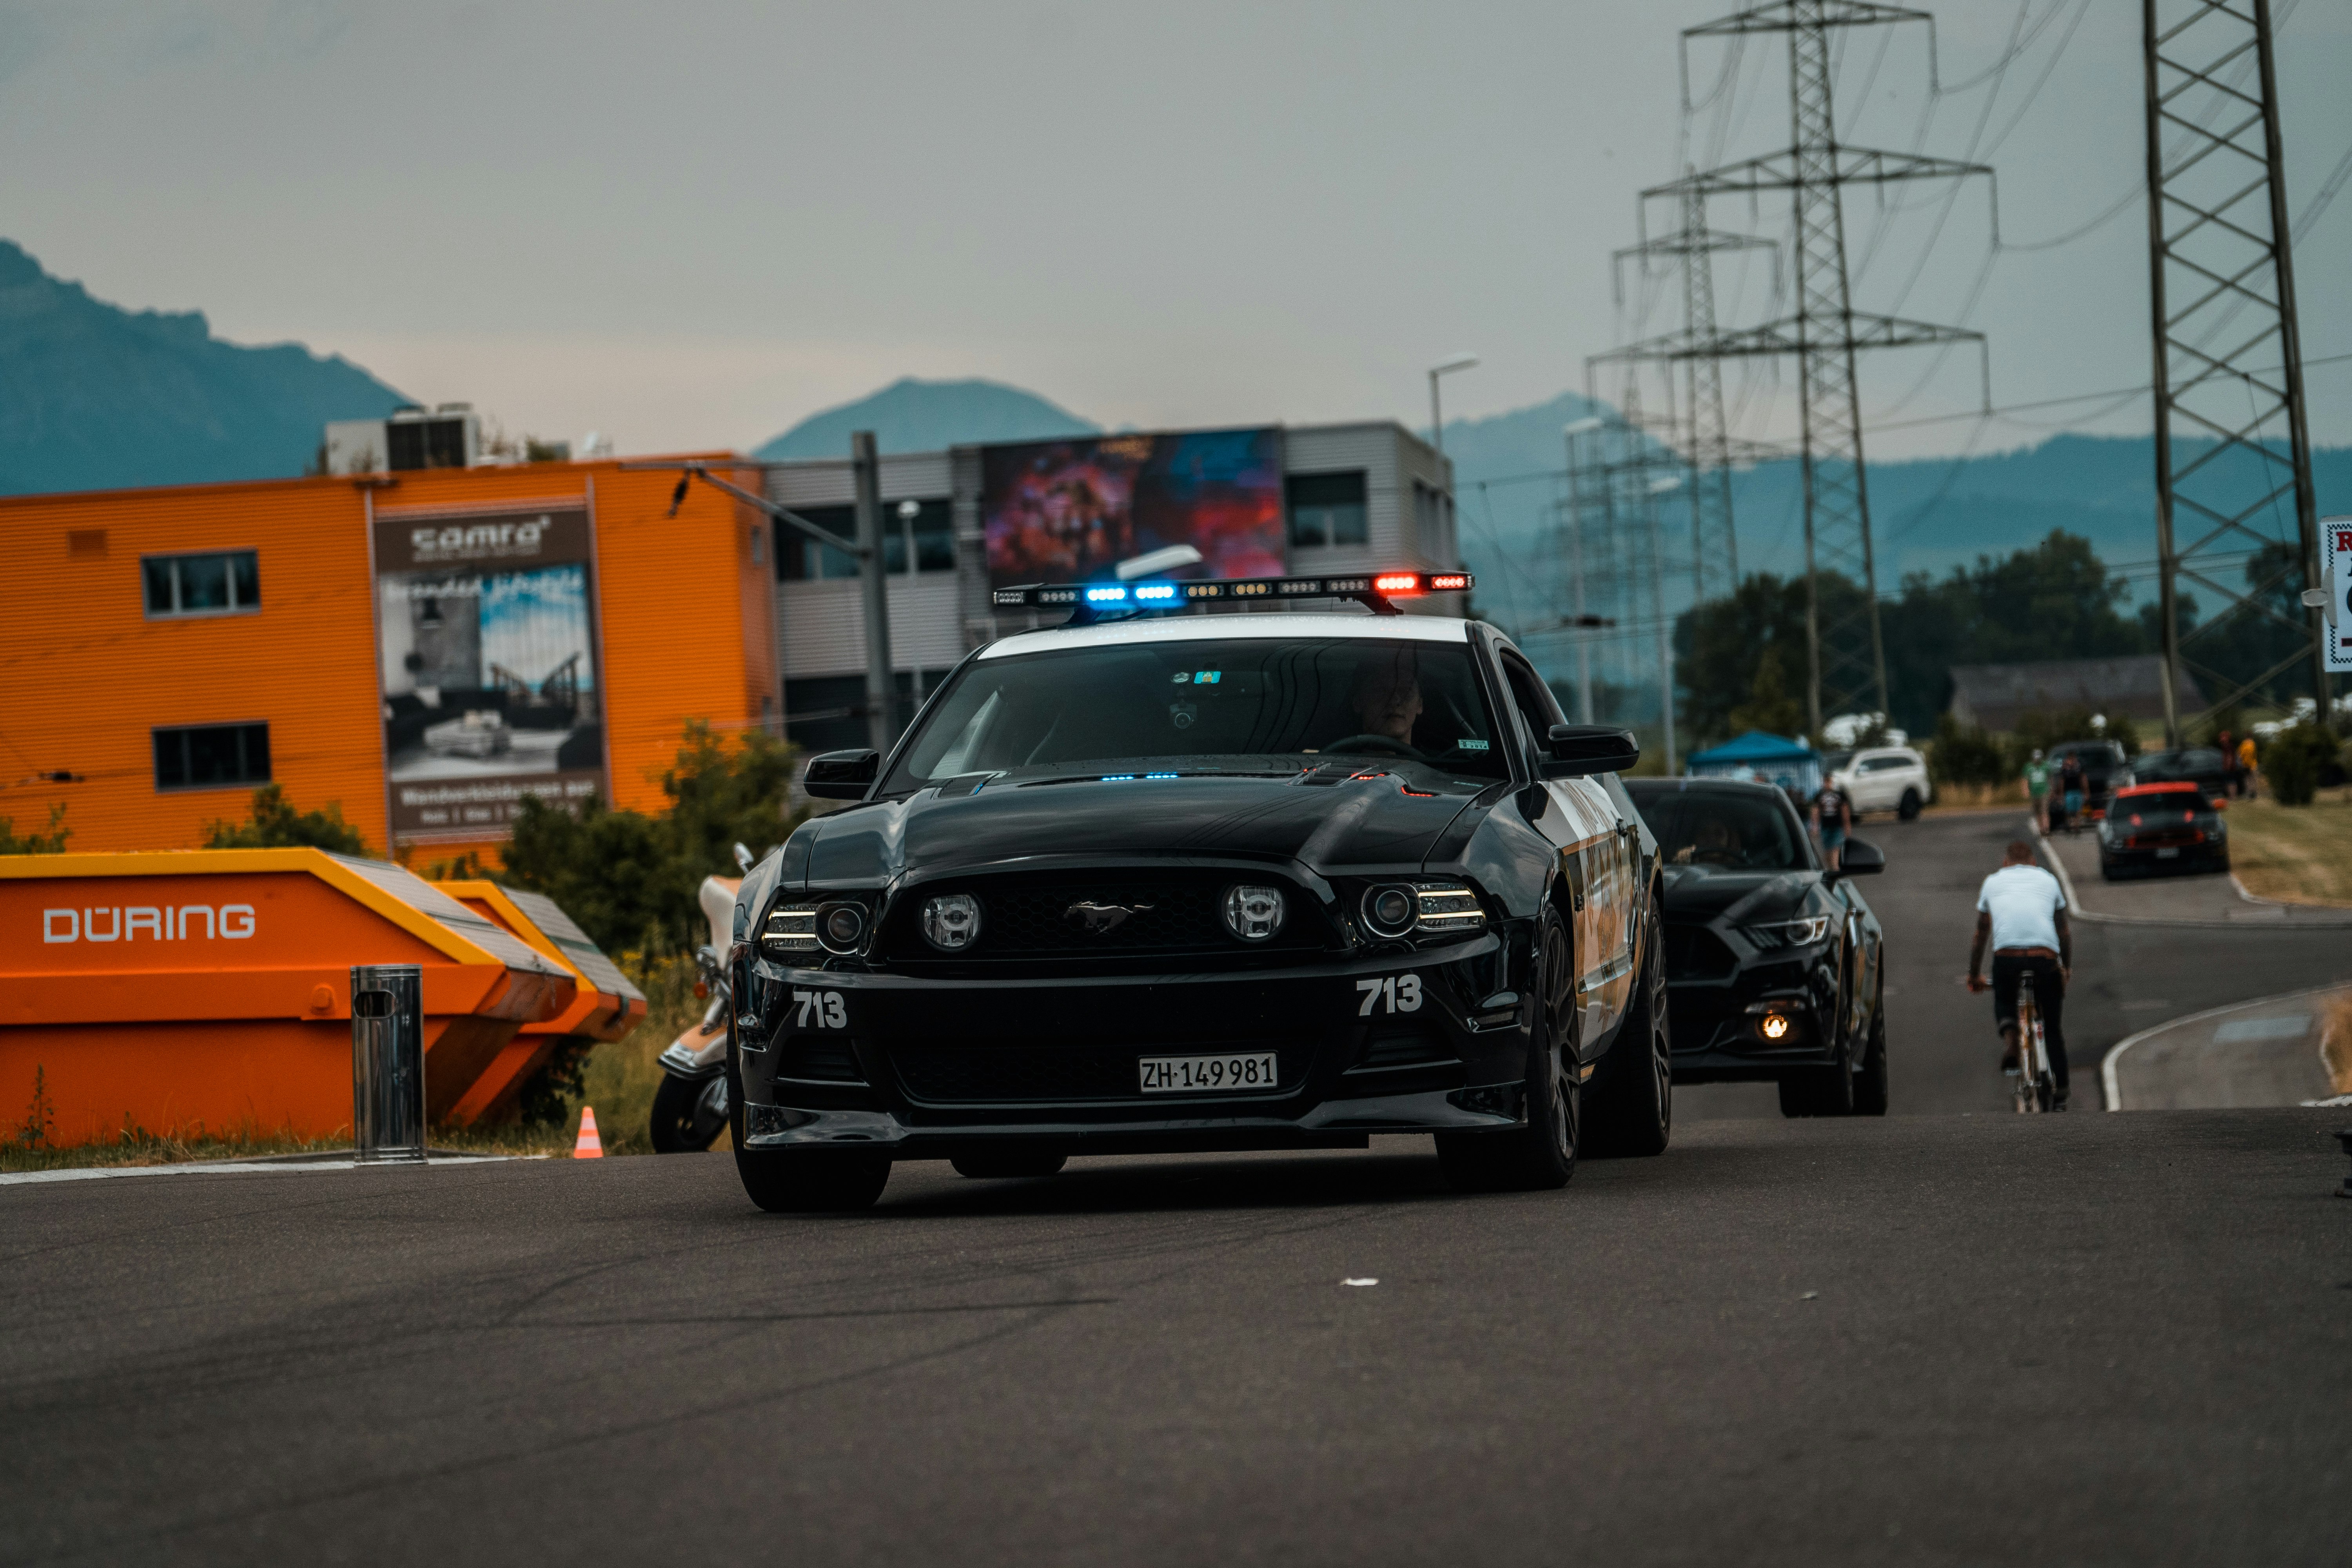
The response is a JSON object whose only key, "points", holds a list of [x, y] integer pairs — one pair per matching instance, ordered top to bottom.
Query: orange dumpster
{"points": [[209, 990], [606, 1007]]}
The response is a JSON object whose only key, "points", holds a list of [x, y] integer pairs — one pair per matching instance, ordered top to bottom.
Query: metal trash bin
{"points": [[388, 1062]]}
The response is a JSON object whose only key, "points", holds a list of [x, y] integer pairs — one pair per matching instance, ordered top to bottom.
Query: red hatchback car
{"points": [[2169, 826]]}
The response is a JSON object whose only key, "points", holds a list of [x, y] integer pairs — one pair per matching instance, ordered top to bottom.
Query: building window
{"points": [[1327, 509], [800, 559], [225, 584], [212, 757]]}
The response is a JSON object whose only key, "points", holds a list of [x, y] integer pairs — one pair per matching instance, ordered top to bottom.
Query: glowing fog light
{"points": [[1776, 1027]]}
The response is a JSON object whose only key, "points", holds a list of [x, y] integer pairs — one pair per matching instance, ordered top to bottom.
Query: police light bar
{"points": [[1089, 600]]}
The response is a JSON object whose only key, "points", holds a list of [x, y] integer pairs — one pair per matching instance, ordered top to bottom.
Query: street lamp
{"points": [[1437, 420]]}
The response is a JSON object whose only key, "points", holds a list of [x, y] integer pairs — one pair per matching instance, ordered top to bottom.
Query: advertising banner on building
{"points": [[1066, 512], [487, 647]]}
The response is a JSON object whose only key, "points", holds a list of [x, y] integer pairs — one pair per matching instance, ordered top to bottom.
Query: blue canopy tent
{"points": [[1773, 759]]}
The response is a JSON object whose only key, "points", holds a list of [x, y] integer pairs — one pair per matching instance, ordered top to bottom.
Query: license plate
{"points": [[2168, 853], [1191, 1075]]}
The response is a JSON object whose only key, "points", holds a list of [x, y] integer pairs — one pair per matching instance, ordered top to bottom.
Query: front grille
{"points": [[1029, 918], [1695, 953], [1045, 1074]]}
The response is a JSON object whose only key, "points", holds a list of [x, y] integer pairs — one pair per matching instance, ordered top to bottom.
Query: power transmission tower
{"points": [[2229, 356], [1706, 442], [1846, 658]]}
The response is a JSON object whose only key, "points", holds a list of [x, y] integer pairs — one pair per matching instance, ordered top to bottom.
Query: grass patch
{"points": [[1979, 797], [2294, 854], [619, 1080]]}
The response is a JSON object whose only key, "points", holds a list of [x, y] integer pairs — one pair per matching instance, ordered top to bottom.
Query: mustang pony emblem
{"points": [[1097, 918]]}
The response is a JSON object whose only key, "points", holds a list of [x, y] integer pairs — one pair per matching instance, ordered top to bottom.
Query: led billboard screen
{"points": [[1066, 512]]}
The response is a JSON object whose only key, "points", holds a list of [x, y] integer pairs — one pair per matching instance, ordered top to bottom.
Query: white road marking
{"points": [[221, 1168]]}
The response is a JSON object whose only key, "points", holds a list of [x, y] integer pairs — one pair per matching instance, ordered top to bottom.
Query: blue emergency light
{"points": [[1088, 600]]}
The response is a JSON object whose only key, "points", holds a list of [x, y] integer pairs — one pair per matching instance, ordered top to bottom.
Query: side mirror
{"points": [[1577, 749], [842, 776], [1860, 859]]}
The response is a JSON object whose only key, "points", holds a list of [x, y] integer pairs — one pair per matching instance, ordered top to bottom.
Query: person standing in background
{"points": [[2227, 744], [2247, 770], [2037, 784], [2071, 787], [1832, 820]]}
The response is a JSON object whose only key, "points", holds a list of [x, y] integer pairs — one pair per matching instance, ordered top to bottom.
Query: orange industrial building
{"points": [[420, 649]]}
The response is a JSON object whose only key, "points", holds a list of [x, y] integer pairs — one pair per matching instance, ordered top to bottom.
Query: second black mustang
{"points": [[1208, 883]]}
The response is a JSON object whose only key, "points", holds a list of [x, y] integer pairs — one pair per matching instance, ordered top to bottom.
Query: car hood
{"points": [[1361, 819], [1705, 892]]}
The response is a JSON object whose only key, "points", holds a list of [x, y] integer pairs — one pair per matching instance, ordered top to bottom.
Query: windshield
{"points": [[1227, 705], [1731, 830]]}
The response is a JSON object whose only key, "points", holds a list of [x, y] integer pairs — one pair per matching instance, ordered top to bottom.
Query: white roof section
{"points": [[1231, 626]]}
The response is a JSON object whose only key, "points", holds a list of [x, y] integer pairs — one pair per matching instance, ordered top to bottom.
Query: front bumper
{"points": [[1716, 1015], [931, 1067]]}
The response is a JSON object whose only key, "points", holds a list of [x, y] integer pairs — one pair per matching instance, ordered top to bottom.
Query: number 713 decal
{"points": [[1389, 993], [820, 1010]]}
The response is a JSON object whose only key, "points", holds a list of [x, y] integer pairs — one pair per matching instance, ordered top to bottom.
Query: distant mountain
{"points": [[98, 397], [910, 416]]}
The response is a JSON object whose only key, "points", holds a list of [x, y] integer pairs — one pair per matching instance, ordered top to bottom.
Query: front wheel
{"points": [[1909, 808], [1869, 1083], [1633, 1110], [689, 1116], [1542, 1154], [813, 1181]]}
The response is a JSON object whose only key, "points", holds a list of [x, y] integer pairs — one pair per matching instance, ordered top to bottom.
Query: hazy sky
{"points": [[692, 223]]}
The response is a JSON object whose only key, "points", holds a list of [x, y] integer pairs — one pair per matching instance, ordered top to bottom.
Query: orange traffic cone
{"points": [[589, 1146]]}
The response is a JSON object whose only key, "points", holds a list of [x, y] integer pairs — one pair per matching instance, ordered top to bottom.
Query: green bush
{"points": [[1965, 755], [2294, 761], [276, 824], [53, 842], [631, 880]]}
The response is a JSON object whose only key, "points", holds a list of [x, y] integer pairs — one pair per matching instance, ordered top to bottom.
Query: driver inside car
{"points": [[1386, 698], [1713, 843]]}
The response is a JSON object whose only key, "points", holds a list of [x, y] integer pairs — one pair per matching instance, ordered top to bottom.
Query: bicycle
{"points": [[2035, 1089]]}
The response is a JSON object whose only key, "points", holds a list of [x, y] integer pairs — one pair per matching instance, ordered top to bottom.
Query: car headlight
{"points": [[1449, 908], [1391, 911], [1253, 915], [951, 921], [841, 927], [791, 931], [1788, 934]]}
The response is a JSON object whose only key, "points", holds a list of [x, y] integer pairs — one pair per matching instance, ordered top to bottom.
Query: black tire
{"points": [[1909, 809], [1870, 1082], [1631, 1109], [689, 1116], [1542, 1155], [1006, 1165], [813, 1181]]}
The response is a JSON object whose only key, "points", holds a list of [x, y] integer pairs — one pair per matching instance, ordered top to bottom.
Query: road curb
{"points": [[2074, 905], [2115, 1052]]}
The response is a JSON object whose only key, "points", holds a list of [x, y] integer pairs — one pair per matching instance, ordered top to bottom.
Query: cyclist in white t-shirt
{"points": [[2021, 910]]}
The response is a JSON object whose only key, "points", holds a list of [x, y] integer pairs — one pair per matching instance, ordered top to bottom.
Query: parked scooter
{"points": [[691, 1105]]}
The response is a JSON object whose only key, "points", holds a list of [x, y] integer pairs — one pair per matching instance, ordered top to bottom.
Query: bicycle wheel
{"points": [[2029, 1060], [2046, 1091]]}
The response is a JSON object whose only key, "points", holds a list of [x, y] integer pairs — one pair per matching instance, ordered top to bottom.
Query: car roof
{"points": [[1231, 626]]}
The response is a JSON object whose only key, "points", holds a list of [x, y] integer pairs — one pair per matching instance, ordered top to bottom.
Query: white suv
{"points": [[1887, 778]]}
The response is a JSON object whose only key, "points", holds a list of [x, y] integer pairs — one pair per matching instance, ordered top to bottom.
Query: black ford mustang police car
{"points": [[1208, 882], [1774, 963]]}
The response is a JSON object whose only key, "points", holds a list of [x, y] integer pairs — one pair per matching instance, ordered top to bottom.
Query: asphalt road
{"points": [[1922, 1338]]}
